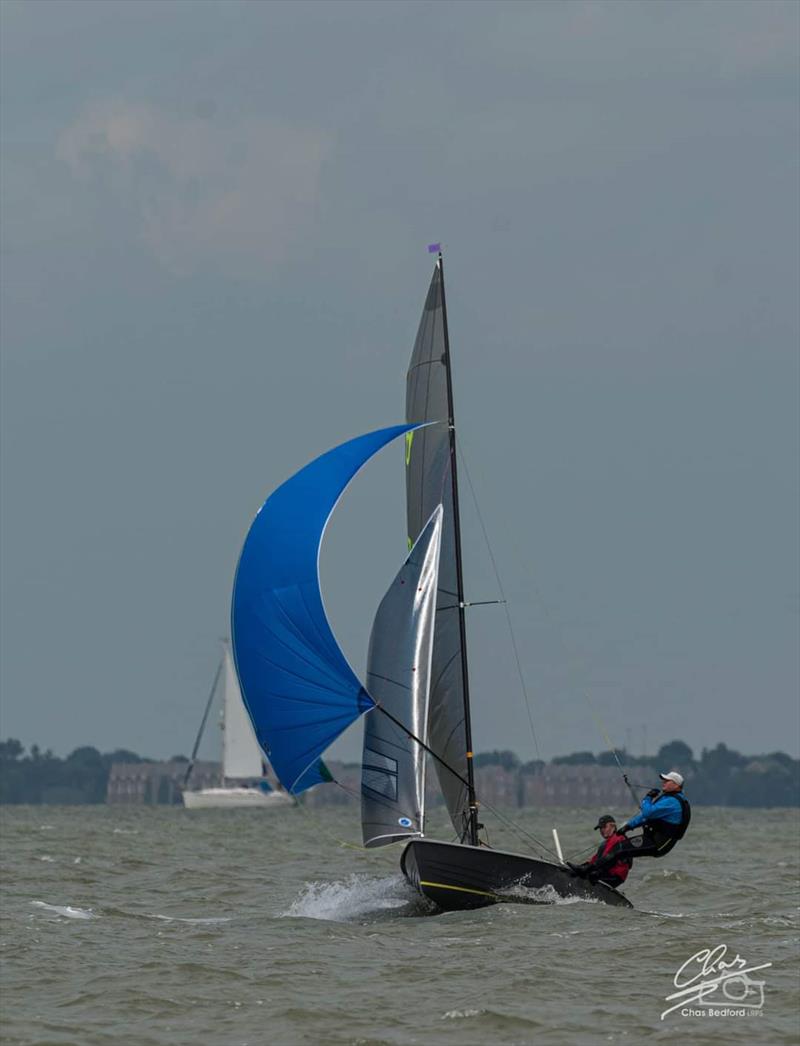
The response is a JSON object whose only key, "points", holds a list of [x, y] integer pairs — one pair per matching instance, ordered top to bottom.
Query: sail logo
{"points": [[409, 442], [404, 822], [709, 984]]}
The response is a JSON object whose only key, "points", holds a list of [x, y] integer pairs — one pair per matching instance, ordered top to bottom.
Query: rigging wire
{"points": [[503, 599], [592, 708], [612, 747], [442, 762], [510, 824], [518, 830]]}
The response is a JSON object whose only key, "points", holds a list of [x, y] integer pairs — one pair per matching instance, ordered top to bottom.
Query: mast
{"points": [[199, 737], [472, 827]]}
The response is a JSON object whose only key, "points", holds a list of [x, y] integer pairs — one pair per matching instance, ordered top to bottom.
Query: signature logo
{"points": [[710, 975]]}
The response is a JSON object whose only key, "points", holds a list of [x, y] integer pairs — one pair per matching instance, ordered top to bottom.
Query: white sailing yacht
{"points": [[244, 782]]}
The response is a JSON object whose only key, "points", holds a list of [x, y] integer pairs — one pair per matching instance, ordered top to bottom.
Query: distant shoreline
{"points": [[719, 777]]}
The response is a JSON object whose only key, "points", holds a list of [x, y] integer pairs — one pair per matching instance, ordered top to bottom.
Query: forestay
{"points": [[398, 679], [299, 689]]}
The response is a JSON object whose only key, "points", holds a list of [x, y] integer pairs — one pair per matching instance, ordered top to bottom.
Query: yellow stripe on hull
{"points": [[461, 889]]}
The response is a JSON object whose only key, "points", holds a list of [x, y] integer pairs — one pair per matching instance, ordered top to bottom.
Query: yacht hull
{"points": [[229, 798], [457, 877]]}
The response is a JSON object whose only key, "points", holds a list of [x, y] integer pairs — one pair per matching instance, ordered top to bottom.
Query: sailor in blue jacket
{"points": [[664, 818]]}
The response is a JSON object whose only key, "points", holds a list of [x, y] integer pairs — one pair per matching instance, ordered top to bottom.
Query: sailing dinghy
{"points": [[301, 693]]}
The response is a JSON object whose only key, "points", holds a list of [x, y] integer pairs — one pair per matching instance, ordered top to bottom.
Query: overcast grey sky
{"points": [[215, 218]]}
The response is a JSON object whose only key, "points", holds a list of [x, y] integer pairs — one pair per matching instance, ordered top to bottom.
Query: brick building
{"points": [[153, 783]]}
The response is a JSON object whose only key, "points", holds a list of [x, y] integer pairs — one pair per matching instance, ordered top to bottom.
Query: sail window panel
{"points": [[375, 761], [380, 782]]}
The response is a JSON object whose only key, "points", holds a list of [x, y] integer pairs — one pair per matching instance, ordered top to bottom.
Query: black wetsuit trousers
{"points": [[640, 846]]}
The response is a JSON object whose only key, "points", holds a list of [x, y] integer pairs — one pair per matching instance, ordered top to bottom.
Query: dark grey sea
{"points": [[160, 927]]}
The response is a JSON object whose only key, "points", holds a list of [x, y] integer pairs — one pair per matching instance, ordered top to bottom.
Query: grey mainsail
{"points": [[429, 482], [398, 680]]}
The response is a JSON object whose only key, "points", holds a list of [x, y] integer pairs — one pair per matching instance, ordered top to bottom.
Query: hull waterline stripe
{"points": [[461, 889]]}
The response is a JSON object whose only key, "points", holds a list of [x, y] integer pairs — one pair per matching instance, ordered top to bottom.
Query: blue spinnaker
{"points": [[296, 683]]}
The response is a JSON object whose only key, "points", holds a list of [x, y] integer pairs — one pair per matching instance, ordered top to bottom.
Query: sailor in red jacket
{"points": [[614, 873]]}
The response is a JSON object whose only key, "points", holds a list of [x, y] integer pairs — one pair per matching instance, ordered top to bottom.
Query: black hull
{"points": [[457, 877]]}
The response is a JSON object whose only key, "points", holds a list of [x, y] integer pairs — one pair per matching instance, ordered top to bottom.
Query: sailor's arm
{"points": [[668, 809], [640, 818]]}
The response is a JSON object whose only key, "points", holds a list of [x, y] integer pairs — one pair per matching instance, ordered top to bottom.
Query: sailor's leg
{"points": [[638, 846]]}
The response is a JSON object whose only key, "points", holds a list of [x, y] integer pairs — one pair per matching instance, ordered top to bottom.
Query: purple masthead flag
{"points": [[434, 248]]}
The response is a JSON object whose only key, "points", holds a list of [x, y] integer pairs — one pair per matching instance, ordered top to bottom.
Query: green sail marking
{"points": [[409, 441]]}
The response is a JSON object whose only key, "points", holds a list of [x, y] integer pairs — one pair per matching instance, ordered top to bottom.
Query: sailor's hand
{"points": [[653, 793]]}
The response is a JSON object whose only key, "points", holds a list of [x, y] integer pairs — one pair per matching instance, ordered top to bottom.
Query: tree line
{"points": [[721, 776], [41, 777]]}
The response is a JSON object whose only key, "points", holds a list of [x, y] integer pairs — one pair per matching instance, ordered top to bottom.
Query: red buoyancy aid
{"points": [[621, 867]]}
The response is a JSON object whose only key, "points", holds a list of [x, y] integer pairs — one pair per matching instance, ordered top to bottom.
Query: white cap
{"points": [[673, 775]]}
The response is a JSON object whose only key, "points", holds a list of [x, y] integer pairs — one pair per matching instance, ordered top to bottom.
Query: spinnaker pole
{"points": [[472, 827]]}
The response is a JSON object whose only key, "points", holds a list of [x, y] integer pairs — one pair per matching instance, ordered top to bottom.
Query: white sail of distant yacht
{"points": [[244, 782]]}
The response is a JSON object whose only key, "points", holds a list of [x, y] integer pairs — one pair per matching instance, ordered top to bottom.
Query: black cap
{"points": [[606, 819]]}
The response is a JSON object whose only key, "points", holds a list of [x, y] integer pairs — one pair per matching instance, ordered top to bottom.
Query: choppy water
{"points": [[159, 926]]}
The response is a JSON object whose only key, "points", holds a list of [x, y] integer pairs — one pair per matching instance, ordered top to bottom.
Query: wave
{"points": [[677, 875], [542, 895], [357, 896], [66, 910], [662, 915], [207, 920], [211, 921], [495, 1022]]}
